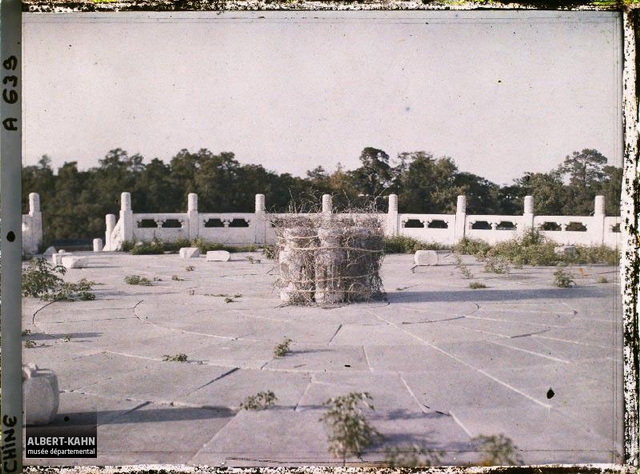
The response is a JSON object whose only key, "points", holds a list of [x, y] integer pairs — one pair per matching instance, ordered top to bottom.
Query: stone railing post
{"points": [[527, 215], [392, 216], [126, 217], [260, 220], [193, 221], [35, 229], [459, 231], [597, 233], [108, 235]]}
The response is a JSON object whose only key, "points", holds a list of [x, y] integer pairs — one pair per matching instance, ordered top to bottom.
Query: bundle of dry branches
{"points": [[329, 258]]}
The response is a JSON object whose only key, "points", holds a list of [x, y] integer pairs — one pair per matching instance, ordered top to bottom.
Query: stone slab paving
{"points": [[443, 362]]}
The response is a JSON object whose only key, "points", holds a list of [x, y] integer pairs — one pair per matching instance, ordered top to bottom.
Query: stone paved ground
{"points": [[443, 362]]}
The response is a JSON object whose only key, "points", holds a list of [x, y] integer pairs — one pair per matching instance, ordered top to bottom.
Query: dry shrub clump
{"points": [[329, 258]]}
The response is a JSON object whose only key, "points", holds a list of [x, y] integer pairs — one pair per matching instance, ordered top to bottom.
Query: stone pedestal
{"points": [[190, 252], [425, 257]]}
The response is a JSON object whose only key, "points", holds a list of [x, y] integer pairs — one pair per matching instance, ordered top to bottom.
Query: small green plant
{"points": [[471, 247], [269, 252], [252, 260], [496, 264], [190, 268], [464, 269], [176, 278], [157, 279], [563, 279], [43, 280], [137, 280], [602, 280], [476, 285], [26, 332], [66, 338], [30, 344], [282, 349], [175, 358], [259, 401], [349, 431], [497, 450], [413, 455]]}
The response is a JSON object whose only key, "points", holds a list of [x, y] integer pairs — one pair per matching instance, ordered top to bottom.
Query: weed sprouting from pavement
{"points": [[464, 269], [563, 279], [43, 280], [137, 280], [476, 285], [282, 349], [175, 358], [259, 401], [349, 431], [497, 450], [413, 455]]}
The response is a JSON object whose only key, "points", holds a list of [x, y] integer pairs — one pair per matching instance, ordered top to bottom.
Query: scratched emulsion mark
{"points": [[630, 265]]}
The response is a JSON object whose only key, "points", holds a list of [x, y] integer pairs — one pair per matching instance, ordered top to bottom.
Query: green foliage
{"points": [[403, 244], [205, 246], [468, 246], [155, 247], [596, 254], [496, 264], [190, 268], [176, 278], [563, 279], [43, 280], [137, 280], [602, 280], [476, 285], [26, 332], [67, 338], [30, 344], [282, 349], [175, 358], [259, 401], [349, 431], [497, 450], [413, 455]]}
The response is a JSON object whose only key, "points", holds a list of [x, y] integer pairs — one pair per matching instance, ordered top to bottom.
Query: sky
{"points": [[499, 92]]}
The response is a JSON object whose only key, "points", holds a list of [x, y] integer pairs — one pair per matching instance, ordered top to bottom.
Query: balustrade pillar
{"points": [[327, 204], [527, 215], [392, 216], [126, 218], [461, 218], [193, 221], [259, 221], [35, 228], [597, 228], [108, 237]]}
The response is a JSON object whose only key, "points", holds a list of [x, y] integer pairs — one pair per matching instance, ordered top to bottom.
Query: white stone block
{"points": [[97, 245], [189, 252], [218, 256], [425, 257], [56, 258], [69, 262], [40, 394]]}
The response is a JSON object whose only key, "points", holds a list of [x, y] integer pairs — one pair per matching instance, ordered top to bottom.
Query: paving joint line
{"points": [[480, 371]]}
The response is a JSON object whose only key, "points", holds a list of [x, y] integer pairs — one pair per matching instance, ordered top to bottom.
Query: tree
{"points": [[375, 176], [547, 190]]}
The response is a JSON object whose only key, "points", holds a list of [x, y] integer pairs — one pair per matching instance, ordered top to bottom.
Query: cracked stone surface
{"points": [[443, 362]]}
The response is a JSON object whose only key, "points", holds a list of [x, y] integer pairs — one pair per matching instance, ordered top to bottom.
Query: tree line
{"points": [[75, 202]]}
